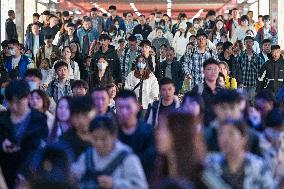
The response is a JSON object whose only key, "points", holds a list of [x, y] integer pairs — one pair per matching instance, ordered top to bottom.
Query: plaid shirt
{"points": [[125, 63], [193, 64], [249, 69], [54, 89]]}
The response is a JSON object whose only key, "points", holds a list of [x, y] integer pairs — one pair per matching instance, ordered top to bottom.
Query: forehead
{"points": [[212, 66], [101, 93], [125, 101]]}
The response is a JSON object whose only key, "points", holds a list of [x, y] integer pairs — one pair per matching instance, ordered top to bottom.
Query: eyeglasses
{"points": [[215, 70]]}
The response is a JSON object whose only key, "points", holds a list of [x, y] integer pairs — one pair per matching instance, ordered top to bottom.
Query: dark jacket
{"points": [[109, 23], [29, 27], [11, 30], [50, 31], [144, 31], [65, 41], [29, 43], [55, 55], [262, 59], [113, 62], [232, 63], [22, 66], [177, 73], [271, 75], [96, 82], [34, 138], [142, 143]]}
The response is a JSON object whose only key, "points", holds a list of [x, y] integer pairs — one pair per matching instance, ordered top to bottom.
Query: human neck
{"points": [[104, 48], [202, 49], [250, 51], [17, 54], [67, 60], [101, 73], [63, 81], [211, 84], [167, 102], [17, 117], [129, 127], [235, 161]]}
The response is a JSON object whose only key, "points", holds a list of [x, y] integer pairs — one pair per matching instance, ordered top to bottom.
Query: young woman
{"points": [[240, 32], [59, 34], [215, 35], [181, 39], [76, 55], [47, 73], [102, 75], [143, 82], [230, 82], [112, 91], [39, 100], [62, 121], [238, 168], [127, 173]]}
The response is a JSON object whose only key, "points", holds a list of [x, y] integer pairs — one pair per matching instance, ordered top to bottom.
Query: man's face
{"points": [[112, 12], [94, 13], [235, 13], [250, 15], [129, 17], [45, 18], [35, 19], [142, 20], [260, 20], [53, 21], [266, 22], [87, 25], [35, 29], [70, 30], [202, 41], [48, 42], [104, 42], [249, 44], [132, 45], [266, 47], [13, 49], [146, 49], [230, 50], [276, 53], [170, 55], [62, 72], [211, 72], [33, 79], [79, 91], [167, 91], [101, 101], [19, 106], [126, 109], [224, 111], [81, 121]]}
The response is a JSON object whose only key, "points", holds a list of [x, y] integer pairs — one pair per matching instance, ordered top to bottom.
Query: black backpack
{"points": [[89, 180]]}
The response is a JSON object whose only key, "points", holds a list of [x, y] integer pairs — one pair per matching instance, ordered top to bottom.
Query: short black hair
{"points": [[112, 7], [94, 9], [11, 12], [46, 12], [65, 13], [211, 13], [36, 15], [104, 15], [260, 16], [244, 17], [266, 17], [201, 33], [48, 36], [104, 36], [132, 38], [248, 38], [266, 41], [14, 42], [145, 42], [4, 44], [220, 44], [164, 45], [227, 45], [275, 47], [86, 58], [210, 61], [60, 64], [33, 72], [165, 81], [80, 83], [18, 89], [126, 94], [266, 95], [227, 96], [81, 104], [274, 118], [103, 122]]}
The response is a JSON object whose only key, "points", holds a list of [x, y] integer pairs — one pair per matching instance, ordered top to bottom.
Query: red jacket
{"points": [[230, 25]]}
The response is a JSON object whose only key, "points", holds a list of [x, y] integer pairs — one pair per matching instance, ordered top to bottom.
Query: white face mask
{"points": [[12, 52], [102, 66]]}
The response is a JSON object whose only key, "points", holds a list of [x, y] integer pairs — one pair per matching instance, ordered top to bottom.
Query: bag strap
{"points": [[138, 84], [115, 163]]}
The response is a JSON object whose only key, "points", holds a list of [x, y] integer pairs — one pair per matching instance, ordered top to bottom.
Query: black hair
{"points": [[112, 7], [94, 9], [11, 12], [46, 12], [158, 12], [65, 13], [211, 13], [36, 15], [104, 15], [52, 16], [260, 16], [244, 17], [266, 17], [87, 19], [104, 36], [48, 37], [132, 38], [248, 38], [266, 41], [14, 42], [145, 42], [4, 44], [219, 44], [164, 45], [227, 45], [275, 47], [86, 58], [210, 61], [60, 64], [33, 72], [221, 75], [165, 81], [80, 83], [18, 89], [126, 94], [266, 95], [227, 96], [196, 97], [81, 104], [274, 118], [103, 122], [175, 183]]}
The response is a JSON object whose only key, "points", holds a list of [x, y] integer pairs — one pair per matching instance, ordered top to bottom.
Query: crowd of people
{"points": [[142, 102]]}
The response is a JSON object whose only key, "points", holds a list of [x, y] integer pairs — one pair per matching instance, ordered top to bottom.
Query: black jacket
{"points": [[11, 30], [145, 31], [113, 62], [232, 63], [177, 73], [271, 75], [34, 137]]}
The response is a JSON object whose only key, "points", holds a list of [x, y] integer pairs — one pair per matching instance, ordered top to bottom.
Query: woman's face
{"points": [[244, 23], [219, 25], [66, 26], [73, 47], [67, 53], [44, 65], [223, 69], [112, 92], [36, 102], [63, 111], [163, 138], [231, 140], [103, 141]]}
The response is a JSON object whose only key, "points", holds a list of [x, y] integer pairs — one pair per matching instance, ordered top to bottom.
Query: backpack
{"points": [[89, 180]]}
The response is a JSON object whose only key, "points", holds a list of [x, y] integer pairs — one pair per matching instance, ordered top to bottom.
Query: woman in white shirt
{"points": [[240, 32], [181, 39], [143, 82]]}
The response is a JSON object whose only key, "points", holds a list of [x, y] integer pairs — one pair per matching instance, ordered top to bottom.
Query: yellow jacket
{"points": [[231, 83]]}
